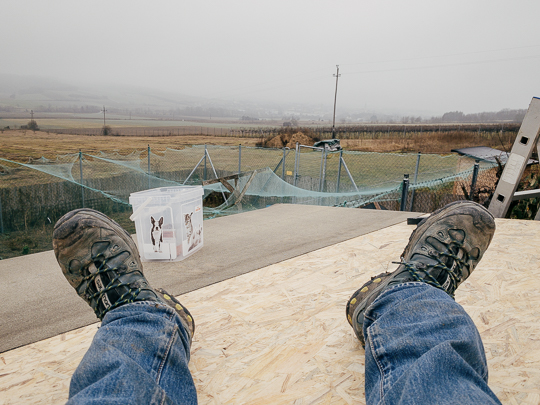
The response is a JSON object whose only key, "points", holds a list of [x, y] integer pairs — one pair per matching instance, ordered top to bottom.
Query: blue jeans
{"points": [[423, 348], [139, 355]]}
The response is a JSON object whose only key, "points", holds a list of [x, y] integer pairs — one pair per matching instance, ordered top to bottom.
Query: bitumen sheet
{"points": [[37, 302]]}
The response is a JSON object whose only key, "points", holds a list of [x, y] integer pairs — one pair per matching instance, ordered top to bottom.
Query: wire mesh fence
{"points": [[34, 195]]}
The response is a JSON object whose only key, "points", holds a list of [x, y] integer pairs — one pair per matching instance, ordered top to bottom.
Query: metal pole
{"points": [[335, 99], [205, 154], [239, 158], [296, 159], [148, 166], [195, 168], [283, 168], [80, 169], [214, 170], [321, 170], [324, 170], [339, 170], [350, 176], [415, 178], [474, 178], [404, 192], [1, 220]]}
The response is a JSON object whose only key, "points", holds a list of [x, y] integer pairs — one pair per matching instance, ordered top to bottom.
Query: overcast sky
{"points": [[394, 55]]}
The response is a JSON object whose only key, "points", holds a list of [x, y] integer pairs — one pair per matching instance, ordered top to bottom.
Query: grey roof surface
{"points": [[37, 301]]}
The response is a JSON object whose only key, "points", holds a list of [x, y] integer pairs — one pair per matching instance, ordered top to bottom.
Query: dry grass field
{"points": [[431, 142], [20, 145]]}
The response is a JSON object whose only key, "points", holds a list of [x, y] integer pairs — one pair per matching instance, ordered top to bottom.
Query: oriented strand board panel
{"points": [[278, 335]]}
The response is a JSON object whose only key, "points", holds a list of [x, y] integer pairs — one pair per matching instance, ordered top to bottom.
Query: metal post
{"points": [[205, 155], [239, 158], [296, 159], [148, 166], [80, 168], [195, 168], [283, 168], [214, 170], [321, 170], [339, 170], [350, 176], [323, 178], [474, 179], [414, 181], [404, 191], [1, 220]]}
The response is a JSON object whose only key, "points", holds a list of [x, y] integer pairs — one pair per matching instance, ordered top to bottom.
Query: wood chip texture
{"points": [[278, 335]]}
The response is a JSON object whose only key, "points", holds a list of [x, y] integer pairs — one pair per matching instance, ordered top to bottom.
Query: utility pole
{"points": [[335, 99], [103, 111], [32, 114]]}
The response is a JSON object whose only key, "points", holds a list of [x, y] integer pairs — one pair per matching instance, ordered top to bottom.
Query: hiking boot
{"points": [[442, 251], [101, 261]]}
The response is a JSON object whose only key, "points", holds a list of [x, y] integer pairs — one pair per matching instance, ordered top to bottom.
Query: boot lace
{"points": [[455, 272], [129, 296]]}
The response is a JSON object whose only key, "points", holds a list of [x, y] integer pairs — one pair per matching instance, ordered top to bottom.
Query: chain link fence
{"points": [[34, 195]]}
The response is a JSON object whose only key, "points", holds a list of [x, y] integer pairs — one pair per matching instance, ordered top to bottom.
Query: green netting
{"points": [[306, 176]]}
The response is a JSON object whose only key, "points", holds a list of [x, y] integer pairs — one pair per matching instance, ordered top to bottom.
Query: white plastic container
{"points": [[168, 222]]}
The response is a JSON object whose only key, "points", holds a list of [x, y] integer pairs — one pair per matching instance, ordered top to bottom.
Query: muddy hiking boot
{"points": [[442, 251], [101, 261]]}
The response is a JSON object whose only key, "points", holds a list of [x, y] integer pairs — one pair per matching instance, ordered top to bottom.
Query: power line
{"points": [[443, 65]]}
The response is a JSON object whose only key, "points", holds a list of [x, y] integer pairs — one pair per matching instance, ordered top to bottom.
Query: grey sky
{"points": [[394, 55]]}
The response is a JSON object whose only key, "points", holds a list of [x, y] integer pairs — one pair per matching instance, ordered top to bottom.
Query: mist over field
{"points": [[420, 57]]}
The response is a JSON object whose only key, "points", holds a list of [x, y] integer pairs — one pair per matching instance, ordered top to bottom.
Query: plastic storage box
{"points": [[168, 222]]}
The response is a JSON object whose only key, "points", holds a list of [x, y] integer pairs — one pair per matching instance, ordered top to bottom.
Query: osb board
{"points": [[279, 335]]}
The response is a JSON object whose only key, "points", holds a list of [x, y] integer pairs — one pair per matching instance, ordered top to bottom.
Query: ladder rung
{"points": [[521, 195]]}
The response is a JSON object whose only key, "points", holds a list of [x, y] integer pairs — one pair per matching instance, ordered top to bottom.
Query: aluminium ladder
{"points": [[526, 139]]}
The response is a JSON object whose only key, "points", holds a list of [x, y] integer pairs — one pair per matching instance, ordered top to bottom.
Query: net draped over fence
{"points": [[42, 190]]}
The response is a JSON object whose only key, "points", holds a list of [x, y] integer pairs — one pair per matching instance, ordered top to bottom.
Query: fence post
{"points": [[205, 154], [239, 158], [296, 159], [148, 166], [283, 168], [80, 169], [321, 170], [339, 170], [323, 177], [474, 178], [414, 181], [404, 191], [1, 220]]}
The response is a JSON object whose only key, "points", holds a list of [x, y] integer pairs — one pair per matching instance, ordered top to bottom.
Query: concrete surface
{"points": [[38, 302]]}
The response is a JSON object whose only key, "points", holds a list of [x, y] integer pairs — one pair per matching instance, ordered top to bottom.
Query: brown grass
{"points": [[431, 142], [20, 145]]}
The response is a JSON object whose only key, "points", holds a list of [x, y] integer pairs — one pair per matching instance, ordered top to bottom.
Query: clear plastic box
{"points": [[168, 222]]}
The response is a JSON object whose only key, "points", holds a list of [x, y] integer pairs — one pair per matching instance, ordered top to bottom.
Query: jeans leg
{"points": [[422, 348], [139, 355]]}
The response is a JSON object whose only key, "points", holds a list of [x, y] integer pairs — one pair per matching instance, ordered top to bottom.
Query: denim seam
{"points": [[166, 354], [379, 366]]}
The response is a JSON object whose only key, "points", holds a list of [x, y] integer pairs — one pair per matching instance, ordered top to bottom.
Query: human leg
{"points": [[421, 346], [141, 351]]}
